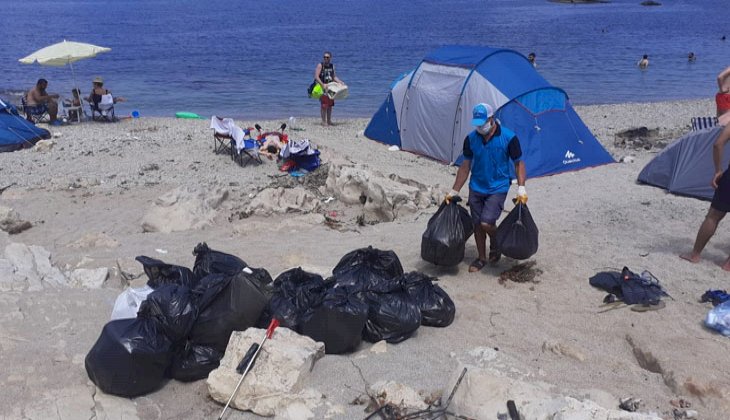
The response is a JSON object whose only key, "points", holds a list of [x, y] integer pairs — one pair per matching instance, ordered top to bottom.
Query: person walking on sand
{"points": [[644, 62], [325, 74], [722, 99], [488, 151], [720, 202]]}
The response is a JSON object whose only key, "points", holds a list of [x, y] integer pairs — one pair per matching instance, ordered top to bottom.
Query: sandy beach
{"points": [[95, 200]]}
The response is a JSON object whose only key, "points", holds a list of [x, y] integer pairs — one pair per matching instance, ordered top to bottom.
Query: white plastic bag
{"points": [[127, 303], [719, 318]]}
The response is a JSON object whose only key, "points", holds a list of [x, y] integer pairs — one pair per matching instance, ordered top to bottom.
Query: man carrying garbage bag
{"points": [[488, 151]]}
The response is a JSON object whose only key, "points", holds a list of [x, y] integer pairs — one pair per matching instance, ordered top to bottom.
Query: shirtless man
{"points": [[644, 62], [39, 97], [722, 99], [720, 202]]}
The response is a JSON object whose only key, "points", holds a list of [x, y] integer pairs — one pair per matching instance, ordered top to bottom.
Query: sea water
{"points": [[255, 59]]}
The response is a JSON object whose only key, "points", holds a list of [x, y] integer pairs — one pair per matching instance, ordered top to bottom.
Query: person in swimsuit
{"points": [[644, 62], [324, 74], [98, 90], [39, 98], [722, 99], [720, 202]]}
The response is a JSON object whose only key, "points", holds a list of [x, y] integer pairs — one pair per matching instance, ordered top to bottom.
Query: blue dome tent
{"points": [[428, 110], [15, 131]]}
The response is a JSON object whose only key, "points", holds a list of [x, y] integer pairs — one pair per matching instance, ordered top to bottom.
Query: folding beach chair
{"points": [[104, 109], [35, 113], [702, 123], [229, 138]]}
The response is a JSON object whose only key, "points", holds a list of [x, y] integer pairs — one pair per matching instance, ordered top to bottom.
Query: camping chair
{"points": [[104, 109], [35, 113], [702, 123], [225, 133], [249, 153]]}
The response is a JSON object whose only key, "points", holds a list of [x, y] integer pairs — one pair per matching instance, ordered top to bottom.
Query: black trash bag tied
{"points": [[517, 235], [444, 240], [208, 261], [368, 269], [159, 273], [295, 295], [227, 304], [172, 307], [437, 308], [392, 317], [338, 322], [130, 357], [194, 361]]}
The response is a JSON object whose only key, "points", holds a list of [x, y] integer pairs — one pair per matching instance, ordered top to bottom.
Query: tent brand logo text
{"points": [[570, 157]]}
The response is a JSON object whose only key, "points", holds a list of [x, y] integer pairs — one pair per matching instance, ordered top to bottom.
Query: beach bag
{"points": [[315, 90], [307, 162], [446, 234], [517, 235]]}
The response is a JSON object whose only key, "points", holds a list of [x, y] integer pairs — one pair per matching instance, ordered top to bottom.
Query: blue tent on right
{"points": [[428, 110], [15, 131], [685, 167]]}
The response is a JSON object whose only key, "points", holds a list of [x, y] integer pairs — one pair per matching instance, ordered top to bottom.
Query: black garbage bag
{"points": [[446, 234], [517, 234], [208, 261], [368, 269], [160, 273], [296, 294], [227, 304], [172, 307], [437, 308], [392, 317], [339, 322], [130, 358], [194, 362]]}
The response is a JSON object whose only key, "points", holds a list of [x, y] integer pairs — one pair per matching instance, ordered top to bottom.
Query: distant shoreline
{"points": [[579, 1]]}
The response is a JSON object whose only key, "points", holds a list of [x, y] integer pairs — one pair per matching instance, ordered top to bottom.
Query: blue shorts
{"points": [[721, 198], [486, 208]]}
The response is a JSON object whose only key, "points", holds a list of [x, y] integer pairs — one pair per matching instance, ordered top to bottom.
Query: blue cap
{"points": [[481, 114]]}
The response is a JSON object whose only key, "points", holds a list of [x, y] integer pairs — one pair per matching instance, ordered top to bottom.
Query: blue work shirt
{"points": [[491, 160]]}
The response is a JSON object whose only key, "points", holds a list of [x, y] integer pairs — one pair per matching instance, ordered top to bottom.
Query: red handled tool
{"points": [[248, 360]]}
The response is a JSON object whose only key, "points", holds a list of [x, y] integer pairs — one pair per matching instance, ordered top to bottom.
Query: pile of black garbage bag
{"points": [[183, 327]]}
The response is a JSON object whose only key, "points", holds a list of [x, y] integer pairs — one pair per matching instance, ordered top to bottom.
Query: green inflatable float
{"points": [[188, 115]]}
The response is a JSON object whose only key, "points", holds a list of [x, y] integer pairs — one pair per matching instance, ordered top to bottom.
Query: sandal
{"points": [[494, 255], [477, 265], [648, 307]]}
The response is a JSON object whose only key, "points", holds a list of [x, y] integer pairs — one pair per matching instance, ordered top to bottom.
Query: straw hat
{"points": [[98, 80]]}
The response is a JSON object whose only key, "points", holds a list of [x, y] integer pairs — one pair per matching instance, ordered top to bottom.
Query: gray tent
{"points": [[685, 167]]}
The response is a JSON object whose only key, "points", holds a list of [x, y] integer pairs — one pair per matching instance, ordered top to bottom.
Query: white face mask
{"points": [[484, 129]]}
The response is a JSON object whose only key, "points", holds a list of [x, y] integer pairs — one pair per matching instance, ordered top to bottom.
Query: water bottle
{"points": [[293, 123]]}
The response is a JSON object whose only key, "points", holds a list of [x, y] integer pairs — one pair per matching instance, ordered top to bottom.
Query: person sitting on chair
{"points": [[98, 90], [39, 98], [73, 104]]}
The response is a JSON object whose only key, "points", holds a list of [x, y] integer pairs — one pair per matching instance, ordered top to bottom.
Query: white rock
{"points": [[45, 145], [394, 148], [627, 159], [283, 200], [183, 209], [94, 240], [24, 272], [49, 274], [88, 278], [379, 347], [563, 349], [483, 354], [277, 378], [483, 393], [398, 394]]}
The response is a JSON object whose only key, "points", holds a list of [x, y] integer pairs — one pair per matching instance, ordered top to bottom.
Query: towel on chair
{"points": [[228, 127]]}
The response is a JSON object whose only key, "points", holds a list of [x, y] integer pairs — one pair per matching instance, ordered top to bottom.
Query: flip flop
{"points": [[494, 255], [477, 265], [646, 308]]}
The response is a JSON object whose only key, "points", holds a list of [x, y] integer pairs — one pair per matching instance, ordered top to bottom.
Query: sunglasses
{"points": [[327, 57]]}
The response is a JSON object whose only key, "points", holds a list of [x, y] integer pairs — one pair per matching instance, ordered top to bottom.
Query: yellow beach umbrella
{"points": [[62, 53]]}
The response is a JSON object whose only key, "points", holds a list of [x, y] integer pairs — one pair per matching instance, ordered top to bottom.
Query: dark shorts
{"points": [[326, 102], [721, 199], [486, 208]]}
